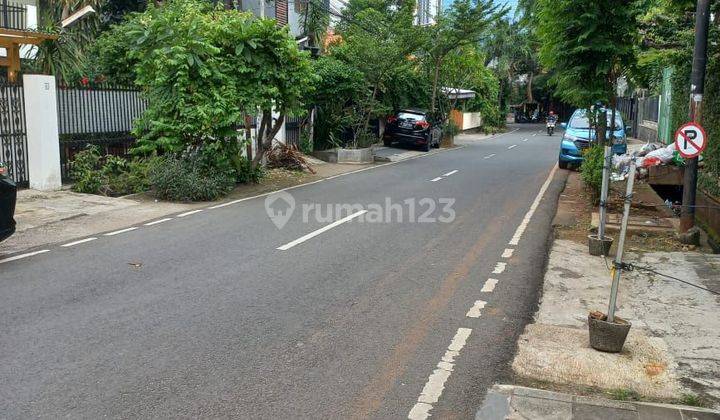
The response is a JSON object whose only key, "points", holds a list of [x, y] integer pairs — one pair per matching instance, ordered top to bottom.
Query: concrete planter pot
{"points": [[341, 155], [364, 155], [599, 246], [607, 336]]}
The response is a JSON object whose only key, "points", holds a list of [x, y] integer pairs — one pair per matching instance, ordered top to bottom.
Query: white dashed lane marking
{"points": [[525, 139], [510, 147], [489, 156], [451, 172], [436, 179], [188, 213], [526, 220], [155, 222], [321, 230], [117, 232], [81, 241], [507, 253], [21, 256], [499, 268], [489, 285], [474, 312], [435, 385]]}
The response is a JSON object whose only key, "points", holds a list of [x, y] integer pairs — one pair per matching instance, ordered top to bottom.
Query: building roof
{"points": [[457, 93]]}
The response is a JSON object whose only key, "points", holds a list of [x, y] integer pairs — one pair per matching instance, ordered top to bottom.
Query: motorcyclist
{"points": [[552, 117]]}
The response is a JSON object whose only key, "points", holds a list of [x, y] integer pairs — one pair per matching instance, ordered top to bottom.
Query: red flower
{"points": [[85, 81]]}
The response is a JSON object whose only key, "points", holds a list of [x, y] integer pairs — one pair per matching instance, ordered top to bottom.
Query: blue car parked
{"points": [[578, 136]]}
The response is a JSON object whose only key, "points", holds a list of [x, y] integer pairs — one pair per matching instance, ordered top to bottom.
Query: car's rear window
{"points": [[410, 116]]}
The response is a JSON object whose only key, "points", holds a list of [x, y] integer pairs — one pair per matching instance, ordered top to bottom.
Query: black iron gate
{"points": [[293, 126], [13, 133]]}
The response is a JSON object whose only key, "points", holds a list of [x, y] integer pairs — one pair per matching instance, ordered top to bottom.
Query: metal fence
{"points": [[12, 16], [649, 108], [628, 110], [99, 115], [13, 133]]}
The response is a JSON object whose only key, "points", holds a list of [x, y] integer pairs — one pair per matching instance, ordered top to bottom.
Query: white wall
{"points": [[471, 120], [43, 140]]}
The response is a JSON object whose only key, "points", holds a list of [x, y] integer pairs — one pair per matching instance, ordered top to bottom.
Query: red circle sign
{"points": [[690, 140]]}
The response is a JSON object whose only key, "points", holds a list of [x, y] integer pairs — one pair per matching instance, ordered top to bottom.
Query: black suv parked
{"points": [[413, 127], [8, 196]]}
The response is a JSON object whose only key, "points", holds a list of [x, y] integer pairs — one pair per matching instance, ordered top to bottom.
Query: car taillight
{"points": [[391, 119], [422, 124], [3, 170]]}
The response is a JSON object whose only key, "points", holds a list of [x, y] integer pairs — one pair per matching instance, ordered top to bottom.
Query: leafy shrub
{"points": [[450, 129], [306, 143], [84, 170], [591, 170], [246, 174], [108, 175], [188, 178]]}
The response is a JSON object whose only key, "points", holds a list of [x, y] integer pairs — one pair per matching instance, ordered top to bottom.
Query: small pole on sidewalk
{"points": [[697, 87], [607, 158], [621, 244]]}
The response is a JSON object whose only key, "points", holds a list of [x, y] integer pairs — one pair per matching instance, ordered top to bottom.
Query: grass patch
{"points": [[624, 394], [694, 401]]}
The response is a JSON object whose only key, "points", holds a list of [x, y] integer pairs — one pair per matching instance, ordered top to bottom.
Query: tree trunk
{"points": [[436, 76], [528, 87], [366, 123], [267, 135], [248, 136]]}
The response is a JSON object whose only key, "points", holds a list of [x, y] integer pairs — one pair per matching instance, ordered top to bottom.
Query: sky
{"points": [[511, 3]]}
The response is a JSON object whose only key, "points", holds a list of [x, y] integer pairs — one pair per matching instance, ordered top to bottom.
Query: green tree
{"points": [[465, 23], [376, 41], [588, 44], [203, 69]]}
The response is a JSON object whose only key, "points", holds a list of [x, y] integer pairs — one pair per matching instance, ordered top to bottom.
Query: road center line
{"points": [[510, 147], [489, 156], [451, 172], [436, 179], [188, 213], [155, 222], [523, 225], [321, 230], [117, 232], [81, 241], [507, 253], [21, 256], [499, 268], [489, 285], [474, 312], [435, 384]]}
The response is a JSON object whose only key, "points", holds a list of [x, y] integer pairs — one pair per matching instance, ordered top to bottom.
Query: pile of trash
{"points": [[650, 154], [288, 157]]}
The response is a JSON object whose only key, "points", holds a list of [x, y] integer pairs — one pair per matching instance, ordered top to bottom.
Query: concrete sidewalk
{"points": [[671, 354], [508, 402]]}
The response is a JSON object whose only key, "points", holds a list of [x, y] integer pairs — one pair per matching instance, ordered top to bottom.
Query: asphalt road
{"points": [[202, 315]]}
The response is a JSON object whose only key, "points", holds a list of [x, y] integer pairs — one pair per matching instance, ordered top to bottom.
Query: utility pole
{"points": [[697, 87]]}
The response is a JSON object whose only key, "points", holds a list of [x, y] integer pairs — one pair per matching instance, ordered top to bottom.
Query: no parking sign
{"points": [[690, 140]]}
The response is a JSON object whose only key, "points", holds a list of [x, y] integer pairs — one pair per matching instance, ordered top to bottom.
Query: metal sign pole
{"points": [[697, 87], [621, 244]]}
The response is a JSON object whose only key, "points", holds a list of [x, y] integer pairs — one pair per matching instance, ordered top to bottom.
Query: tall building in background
{"points": [[427, 11]]}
